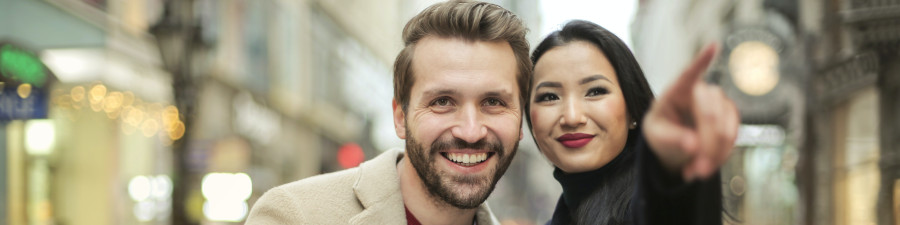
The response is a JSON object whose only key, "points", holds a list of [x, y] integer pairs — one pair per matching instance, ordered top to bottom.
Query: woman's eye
{"points": [[597, 91], [546, 97]]}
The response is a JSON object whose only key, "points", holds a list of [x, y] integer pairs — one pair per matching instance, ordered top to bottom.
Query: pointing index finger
{"points": [[695, 71]]}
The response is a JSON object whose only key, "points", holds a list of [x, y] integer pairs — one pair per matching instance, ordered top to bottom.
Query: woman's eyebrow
{"points": [[593, 78], [548, 84]]}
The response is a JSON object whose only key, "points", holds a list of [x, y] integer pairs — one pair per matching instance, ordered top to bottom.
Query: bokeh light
{"points": [[754, 67], [24, 90], [39, 137], [139, 188], [226, 195]]}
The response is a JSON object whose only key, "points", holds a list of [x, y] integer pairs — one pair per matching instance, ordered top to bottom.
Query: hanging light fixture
{"points": [[754, 67]]}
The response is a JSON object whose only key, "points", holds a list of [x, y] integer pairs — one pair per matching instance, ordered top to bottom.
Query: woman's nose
{"points": [[573, 115]]}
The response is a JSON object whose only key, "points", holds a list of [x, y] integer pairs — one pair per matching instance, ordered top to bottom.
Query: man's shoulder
{"points": [[346, 179], [329, 182], [327, 187], [327, 198], [318, 199]]}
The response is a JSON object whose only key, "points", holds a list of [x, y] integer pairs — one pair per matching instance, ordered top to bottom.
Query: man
{"points": [[459, 84]]}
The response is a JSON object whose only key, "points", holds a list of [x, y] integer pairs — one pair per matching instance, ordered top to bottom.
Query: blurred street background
{"points": [[187, 111]]}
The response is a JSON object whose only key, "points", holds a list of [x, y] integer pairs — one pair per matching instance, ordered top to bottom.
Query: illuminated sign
{"points": [[20, 65], [23, 79], [13, 106]]}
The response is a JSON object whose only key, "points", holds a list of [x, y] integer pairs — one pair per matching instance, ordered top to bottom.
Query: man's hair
{"points": [[470, 21]]}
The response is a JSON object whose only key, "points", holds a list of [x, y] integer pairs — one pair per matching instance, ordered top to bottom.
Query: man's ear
{"points": [[399, 120], [521, 133]]}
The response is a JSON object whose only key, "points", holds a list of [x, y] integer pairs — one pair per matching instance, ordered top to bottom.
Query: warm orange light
{"points": [[24, 90], [98, 92], [77, 93], [96, 95], [127, 98], [113, 102], [135, 116], [170, 117], [149, 127], [177, 131]]}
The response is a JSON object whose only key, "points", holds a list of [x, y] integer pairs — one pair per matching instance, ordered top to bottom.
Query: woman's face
{"points": [[577, 108]]}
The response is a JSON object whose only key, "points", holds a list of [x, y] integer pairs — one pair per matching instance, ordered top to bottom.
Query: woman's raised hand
{"points": [[692, 127]]}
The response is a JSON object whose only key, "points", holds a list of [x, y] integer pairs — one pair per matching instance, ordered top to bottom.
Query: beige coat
{"points": [[368, 194]]}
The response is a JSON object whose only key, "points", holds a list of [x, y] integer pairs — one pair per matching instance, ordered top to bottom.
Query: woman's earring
{"points": [[633, 125]]}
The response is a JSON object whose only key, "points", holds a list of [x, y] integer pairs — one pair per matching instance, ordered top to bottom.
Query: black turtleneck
{"points": [[634, 188], [600, 196]]}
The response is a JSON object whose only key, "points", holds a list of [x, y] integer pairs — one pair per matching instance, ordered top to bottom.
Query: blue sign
{"points": [[14, 107]]}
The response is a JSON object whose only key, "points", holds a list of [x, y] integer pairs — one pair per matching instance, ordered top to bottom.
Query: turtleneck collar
{"points": [[579, 186]]}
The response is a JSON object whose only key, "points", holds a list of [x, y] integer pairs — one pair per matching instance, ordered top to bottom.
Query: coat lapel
{"points": [[378, 189], [484, 216]]}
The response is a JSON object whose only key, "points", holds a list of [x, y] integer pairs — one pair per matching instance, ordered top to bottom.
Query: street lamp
{"points": [[177, 36], [171, 42], [754, 67]]}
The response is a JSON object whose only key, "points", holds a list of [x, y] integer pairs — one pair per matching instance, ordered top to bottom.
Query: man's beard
{"points": [[464, 191]]}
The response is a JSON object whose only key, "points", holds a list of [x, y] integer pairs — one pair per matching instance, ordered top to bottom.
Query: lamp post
{"points": [[177, 38]]}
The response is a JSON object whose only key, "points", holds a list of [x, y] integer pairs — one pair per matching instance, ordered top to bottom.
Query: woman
{"points": [[587, 106]]}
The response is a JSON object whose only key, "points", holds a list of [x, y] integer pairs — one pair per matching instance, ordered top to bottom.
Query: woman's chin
{"points": [[577, 161], [582, 162], [578, 167]]}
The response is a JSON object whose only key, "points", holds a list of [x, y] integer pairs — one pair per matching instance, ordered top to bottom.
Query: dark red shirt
{"points": [[410, 219]]}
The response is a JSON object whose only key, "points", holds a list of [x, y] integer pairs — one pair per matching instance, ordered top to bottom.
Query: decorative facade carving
{"points": [[876, 24], [854, 74]]}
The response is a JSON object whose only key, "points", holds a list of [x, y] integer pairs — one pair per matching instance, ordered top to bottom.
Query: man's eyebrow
{"points": [[593, 78], [548, 84], [439, 92], [502, 94]]}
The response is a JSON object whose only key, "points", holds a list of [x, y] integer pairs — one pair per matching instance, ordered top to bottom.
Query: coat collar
{"points": [[378, 189]]}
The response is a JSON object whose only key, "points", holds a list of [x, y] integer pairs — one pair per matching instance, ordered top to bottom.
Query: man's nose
{"points": [[573, 114], [470, 125]]}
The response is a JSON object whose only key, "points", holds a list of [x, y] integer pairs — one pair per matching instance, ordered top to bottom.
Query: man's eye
{"points": [[597, 91], [546, 97], [441, 102], [493, 102]]}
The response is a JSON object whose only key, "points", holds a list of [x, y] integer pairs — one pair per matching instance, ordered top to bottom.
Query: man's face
{"points": [[463, 122]]}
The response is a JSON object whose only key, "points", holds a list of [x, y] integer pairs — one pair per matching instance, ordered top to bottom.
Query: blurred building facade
{"points": [[815, 82], [280, 90], [159, 104], [110, 118]]}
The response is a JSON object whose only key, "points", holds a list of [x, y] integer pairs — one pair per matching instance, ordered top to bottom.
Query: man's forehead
{"points": [[434, 51], [436, 55], [474, 83]]}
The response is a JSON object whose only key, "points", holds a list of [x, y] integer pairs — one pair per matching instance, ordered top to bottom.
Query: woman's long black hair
{"points": [[609, 204]]}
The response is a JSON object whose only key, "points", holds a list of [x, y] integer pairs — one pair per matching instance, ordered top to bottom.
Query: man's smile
{"points": [[467, 159]]}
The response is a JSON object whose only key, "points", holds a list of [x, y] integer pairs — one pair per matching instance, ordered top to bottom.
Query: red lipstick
{"points": [[575, 140]]}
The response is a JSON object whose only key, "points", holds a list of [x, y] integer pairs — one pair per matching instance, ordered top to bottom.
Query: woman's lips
{"points": [[575, 140]]}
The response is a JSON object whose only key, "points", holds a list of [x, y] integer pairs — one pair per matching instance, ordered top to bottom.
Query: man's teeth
{"points": [[467, 158]]}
